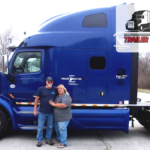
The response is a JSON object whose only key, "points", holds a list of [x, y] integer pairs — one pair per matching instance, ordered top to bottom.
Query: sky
{"points": [[27, 15]]}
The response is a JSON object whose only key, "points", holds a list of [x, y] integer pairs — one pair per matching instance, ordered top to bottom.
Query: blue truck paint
{"points": [[66, 49], [25, 83], [25, 117], [108, 119]]}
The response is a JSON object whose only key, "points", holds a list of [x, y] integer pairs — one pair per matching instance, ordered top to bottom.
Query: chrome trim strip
{"points": [[97, 105], [25, 112], [30, 127]]}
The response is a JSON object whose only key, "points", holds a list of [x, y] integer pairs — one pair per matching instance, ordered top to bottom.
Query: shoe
{"points": [[56, 141], [49, 142], [39, 144]]}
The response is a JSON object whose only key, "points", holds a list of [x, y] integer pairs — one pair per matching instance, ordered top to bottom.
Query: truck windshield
{"points": [[136, 16]]}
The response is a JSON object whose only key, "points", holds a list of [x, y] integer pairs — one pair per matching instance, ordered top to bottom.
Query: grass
{"points": [[144, 90]]}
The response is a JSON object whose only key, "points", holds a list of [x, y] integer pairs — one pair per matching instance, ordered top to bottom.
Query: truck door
{"points": [[27, 66], [97, 77]]}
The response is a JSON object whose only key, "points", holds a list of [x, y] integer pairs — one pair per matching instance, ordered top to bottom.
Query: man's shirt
{"points": [[45, 95]]}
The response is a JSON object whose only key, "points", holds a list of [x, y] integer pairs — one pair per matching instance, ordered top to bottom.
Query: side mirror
{"points": [[5, 64]]}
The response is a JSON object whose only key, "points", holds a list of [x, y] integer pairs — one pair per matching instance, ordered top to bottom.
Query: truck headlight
{"points": [[131, 24]]}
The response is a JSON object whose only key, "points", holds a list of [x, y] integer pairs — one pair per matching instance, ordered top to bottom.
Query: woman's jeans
{"points": [[41, 122], [61, 131]]}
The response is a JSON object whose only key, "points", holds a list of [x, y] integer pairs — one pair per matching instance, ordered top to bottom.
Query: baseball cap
{"points": [[49, 79]]}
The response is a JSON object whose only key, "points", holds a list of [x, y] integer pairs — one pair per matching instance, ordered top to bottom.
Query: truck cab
{"points": [[77, 50]]}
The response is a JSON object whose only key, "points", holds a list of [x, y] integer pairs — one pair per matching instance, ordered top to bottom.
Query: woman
{"points": [[62, 114]]}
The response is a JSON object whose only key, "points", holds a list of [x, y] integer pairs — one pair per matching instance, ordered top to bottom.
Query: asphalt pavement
{"points": [[137, 139]]}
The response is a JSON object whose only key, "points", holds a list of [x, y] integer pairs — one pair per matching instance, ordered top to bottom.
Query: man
{"points": [[44, 94]]}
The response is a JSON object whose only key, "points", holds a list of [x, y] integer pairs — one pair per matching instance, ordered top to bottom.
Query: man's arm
{"points": [[35, 105], [58, 105]]}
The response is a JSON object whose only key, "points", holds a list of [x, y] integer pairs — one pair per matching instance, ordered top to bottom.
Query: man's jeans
{"points": [[41, 121], [61, 131]]}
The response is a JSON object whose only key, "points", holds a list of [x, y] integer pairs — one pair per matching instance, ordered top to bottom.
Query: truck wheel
{"points": [[3, 123], [145, 123]]}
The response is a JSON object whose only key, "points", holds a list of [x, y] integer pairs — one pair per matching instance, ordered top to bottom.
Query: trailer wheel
{"points": [[3, 123], [145, 123]]}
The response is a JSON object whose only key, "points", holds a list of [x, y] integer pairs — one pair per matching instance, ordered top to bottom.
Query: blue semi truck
{"points": [[77, 50]]}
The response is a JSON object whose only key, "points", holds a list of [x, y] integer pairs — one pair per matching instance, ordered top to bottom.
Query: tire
{"points": [[145, 123], [3, 124]]}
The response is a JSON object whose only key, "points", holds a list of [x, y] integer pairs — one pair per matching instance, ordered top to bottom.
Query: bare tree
{"points": [[5, 39], [144, 71]]}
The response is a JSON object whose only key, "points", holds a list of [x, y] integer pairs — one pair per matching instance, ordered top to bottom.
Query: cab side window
{"points": [[95, 20], [26, 62]]}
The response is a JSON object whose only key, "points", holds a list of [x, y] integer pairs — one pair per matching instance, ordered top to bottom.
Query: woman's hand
{"points": [[51, 103]]}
